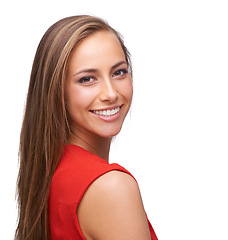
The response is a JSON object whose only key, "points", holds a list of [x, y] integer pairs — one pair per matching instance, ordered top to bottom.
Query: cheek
{"points": [[127, 90], [78, 98], [78, 102]]}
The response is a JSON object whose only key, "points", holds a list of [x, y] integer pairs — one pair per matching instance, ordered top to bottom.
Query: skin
{"points": [[100, 60], [98, 80]]}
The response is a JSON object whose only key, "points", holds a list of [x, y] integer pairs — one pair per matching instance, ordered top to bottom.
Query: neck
{"points": [[97, 145]]}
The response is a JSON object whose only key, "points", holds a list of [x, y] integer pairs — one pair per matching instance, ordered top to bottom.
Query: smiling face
{"points": [[98, 87]]}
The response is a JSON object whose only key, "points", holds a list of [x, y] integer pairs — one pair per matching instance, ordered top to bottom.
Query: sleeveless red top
{"points": [[77, 170]]}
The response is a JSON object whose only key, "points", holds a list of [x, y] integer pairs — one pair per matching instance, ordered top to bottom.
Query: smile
{"points": [[107, 113]]}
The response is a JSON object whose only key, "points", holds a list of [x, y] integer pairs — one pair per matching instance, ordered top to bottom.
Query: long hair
{"points": [[45, 127]]}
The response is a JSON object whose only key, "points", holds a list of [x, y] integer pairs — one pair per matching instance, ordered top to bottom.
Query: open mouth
{"points": [[106, 113]]}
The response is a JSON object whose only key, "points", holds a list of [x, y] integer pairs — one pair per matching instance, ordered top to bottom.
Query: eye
{"points": [[120, 72], [87, 80]]}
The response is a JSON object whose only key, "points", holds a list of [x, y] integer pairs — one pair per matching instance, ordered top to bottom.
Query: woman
{"points": [[79, 95]]}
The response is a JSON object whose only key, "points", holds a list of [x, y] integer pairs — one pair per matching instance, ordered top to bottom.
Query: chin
{"points": [[109, 134]]}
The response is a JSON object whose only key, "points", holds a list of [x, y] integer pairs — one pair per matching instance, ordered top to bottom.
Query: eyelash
{"points": [[124, 71], [118, 73], [82, 80]]}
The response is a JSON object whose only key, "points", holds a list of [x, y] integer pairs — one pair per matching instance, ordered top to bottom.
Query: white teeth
{"points": [[108, 112]]}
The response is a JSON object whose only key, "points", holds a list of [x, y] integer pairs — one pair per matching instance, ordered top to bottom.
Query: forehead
{"points": [[101, 48]]}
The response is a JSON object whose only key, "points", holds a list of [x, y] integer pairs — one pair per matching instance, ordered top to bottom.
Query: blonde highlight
{"points": [[46, 127]]}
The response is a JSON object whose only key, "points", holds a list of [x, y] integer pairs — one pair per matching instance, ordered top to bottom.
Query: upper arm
{"points": [[112, 208]]}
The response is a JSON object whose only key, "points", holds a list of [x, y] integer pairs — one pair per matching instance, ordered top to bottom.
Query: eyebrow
{"points": [[91, 70]]}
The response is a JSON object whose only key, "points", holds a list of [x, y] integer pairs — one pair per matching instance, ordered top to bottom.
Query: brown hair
{"points": [[45, 127]]}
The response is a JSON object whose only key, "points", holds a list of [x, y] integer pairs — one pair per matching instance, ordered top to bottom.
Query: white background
{"points": [[175, 141]]}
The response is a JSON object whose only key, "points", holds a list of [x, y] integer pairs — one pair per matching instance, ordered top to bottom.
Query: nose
{"points": [[108, 91]]}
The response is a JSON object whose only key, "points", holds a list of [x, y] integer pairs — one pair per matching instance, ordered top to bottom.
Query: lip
{"points": [[107, 108], [108, 118]]}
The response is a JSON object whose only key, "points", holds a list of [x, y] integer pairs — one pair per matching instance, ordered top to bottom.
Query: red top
{"points": [[77, 170]]}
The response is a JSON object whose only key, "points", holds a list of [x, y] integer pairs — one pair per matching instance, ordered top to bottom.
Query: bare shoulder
{"points": [[117, 181], [112, 208]]}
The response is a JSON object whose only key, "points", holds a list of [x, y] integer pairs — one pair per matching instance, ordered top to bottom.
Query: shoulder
{"points": [[77, 170], [117, 181], [115, 187], [112, 208]]}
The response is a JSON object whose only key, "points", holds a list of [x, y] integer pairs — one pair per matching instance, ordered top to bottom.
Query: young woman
{"points": [[79, 95]]}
